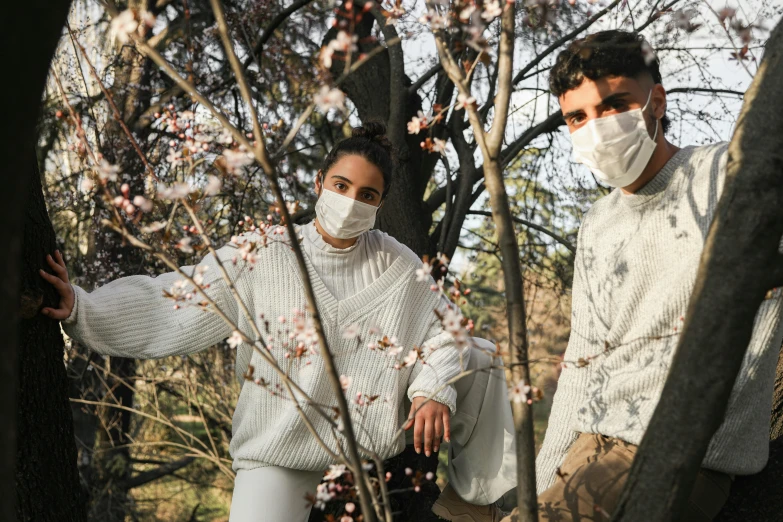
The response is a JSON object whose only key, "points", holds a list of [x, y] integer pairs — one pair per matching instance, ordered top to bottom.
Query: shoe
{"points": [[450, 506]]}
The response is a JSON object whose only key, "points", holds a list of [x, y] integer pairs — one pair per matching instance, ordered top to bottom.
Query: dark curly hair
{"points": [[602, 54], [370, 142]]}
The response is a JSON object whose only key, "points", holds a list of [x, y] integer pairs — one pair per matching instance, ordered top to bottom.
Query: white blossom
{"points": [[491, 10], [123, 25], [328, 98], [237, 159], [107, 171], [214, 184], [423, 273], [351, 331], [235, 339], [411, 358], [345, 382], [519, 391], [335, 471]]}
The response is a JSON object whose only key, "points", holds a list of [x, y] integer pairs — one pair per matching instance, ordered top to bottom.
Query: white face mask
{"points": [[616, 148], [343, 217]]}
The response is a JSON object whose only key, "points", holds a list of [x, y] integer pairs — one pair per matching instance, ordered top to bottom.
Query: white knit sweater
{"points": [[635, 269], [371, 285]]}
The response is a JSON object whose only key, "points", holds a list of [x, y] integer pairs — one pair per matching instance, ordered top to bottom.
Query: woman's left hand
{"points": [[430, 421]]}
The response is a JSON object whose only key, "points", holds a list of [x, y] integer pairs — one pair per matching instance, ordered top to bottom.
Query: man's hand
{"points": [[63, 286], [430, 423]]}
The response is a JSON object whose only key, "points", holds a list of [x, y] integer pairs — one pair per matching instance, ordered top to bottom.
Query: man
{"points": [[637, 257]]}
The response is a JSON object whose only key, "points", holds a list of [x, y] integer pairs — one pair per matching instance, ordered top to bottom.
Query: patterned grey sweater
{"points": [[635, 268]]}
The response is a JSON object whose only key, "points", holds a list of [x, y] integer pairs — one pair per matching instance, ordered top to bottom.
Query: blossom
{"points": [[491, 10], [466, 12], [436, 21], [123, 25], [328, 98], [464, 102], [417, 123], [226, 138], [439, 145], [174, 157], [237, 159], [107, 171], [214, 184], [87, 185], [175, 191], [143, 203], [153, 227], [184, 245], [423, 273], [351, 331], [235, 339], [411, 358], [345, 382], [519, 391], [335, 471], [322, 496]]}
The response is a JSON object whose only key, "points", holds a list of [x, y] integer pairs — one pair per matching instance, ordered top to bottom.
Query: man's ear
{"points": [[658, 101]]}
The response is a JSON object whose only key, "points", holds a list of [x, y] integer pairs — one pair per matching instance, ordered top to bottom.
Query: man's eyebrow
{"points": [[618, 96], [568, 115], [343, 178]]}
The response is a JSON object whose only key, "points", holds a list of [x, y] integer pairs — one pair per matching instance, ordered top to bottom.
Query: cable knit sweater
{"points": [[635, 269], [371, 285]]}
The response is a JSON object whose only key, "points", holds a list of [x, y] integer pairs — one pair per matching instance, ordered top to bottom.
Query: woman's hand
{"points": [[63, 286], [430, 420]]}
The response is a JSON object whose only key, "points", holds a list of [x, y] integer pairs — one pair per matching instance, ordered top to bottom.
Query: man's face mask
{"points": [[616, 148], [343, 217]]}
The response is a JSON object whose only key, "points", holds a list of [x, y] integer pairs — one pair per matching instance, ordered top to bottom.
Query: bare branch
{"points": [[279, 19], [560, 239], [145, 477]]}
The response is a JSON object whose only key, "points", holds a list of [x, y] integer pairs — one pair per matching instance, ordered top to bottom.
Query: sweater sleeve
{"points": [[131, 317], [443, 361], [572, 383]]}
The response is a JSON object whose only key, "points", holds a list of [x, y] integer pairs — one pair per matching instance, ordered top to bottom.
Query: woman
{"points": [[366, 287]]}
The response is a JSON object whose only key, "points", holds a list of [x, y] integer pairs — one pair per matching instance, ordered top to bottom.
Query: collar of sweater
{"points": [[657, 186], [312, 236]]}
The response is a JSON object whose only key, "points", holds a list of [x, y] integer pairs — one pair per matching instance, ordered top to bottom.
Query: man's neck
{"points": [[663, 153], [333, 241]]}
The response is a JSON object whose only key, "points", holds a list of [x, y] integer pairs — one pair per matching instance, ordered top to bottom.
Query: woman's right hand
{"points": [[63, 286]]}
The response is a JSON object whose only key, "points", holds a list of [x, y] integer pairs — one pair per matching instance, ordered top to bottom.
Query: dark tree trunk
{"points": [[30, 41], [739, 265], [48, 486], [760, 497]]}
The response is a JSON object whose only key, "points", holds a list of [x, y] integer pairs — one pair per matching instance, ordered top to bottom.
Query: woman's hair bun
{"points": [[372, 130]]}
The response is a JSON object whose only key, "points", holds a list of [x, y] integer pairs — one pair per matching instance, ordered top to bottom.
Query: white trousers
{"points": [[482, 453]]}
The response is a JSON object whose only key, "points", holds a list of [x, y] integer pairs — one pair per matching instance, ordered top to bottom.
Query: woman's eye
{"points": [[339, 186], [368, 196]]}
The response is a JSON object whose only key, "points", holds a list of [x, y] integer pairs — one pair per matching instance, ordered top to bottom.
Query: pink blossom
{"points": [[491, 10], [464, 102], [439, 145], [174, 157], [236, 159], [153, 227], [184, 245], [351, 331], [411, 358], [345, 382], [335, 471]]}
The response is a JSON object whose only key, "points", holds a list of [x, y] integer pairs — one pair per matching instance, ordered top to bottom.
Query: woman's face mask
{"points": [[616, 148], [342, 217]]}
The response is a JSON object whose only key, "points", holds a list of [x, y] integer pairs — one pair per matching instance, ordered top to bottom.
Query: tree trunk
{"points": [[31, 40], [740, 263], [48, 486], [758, 497]]}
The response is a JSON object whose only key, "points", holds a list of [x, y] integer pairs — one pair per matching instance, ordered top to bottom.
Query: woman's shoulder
{"points": [[389, 245]]}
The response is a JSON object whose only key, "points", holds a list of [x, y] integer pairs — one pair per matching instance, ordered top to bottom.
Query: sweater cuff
{"points": [[71, 319], [447, 396]]}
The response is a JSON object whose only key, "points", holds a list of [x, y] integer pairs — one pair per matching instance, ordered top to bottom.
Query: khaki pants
{"points": [[594, 473]]}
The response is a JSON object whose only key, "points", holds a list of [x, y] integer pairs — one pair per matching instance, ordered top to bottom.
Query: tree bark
{"points": [[31, 40], [740, 263], [48, 486], [758, 497]]}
